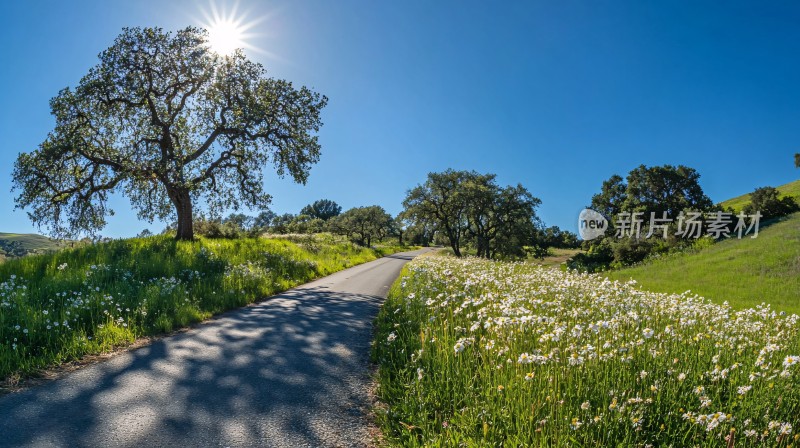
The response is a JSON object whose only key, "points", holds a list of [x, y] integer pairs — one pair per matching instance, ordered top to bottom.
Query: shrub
{"points": [[767, 201]]}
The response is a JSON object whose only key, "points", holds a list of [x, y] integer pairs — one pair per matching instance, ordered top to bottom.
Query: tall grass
{"points": [[59, 307], [480, 353]]}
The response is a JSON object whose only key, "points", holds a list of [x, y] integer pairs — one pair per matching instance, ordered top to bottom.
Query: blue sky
{"points": [[556, 95]]}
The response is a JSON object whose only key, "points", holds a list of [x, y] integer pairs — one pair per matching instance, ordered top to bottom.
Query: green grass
{"points": [[791, 189], [556, 256], [742, 272], [58, 307], [478, 353]]}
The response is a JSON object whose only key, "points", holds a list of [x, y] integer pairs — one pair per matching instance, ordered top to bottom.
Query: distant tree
{"points": [[166, 121], [797, 160], [768, 202], [471, 208], [323, 209], [264, 219], [240, 221], [280, 223], [303, 223], [363, 224], [418, 232], [144, 233], [555, 237], [569, 240]]}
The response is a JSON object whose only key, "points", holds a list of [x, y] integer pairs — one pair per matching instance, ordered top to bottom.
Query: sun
{"points": [[227, 30], [225, 36]]}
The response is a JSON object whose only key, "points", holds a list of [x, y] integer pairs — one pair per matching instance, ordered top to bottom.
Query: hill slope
{"points": [[790, 189], [32, 242], [743, 272]]}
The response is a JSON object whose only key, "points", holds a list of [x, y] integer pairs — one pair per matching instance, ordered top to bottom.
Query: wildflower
{"points": [[647, 333], [391, 337], [459, 347], [575, 359], [790, 361], [528, 376], [741, 390], [585, 405]]}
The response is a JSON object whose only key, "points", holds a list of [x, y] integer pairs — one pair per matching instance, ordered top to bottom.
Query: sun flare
{"points": [[227, 30]]}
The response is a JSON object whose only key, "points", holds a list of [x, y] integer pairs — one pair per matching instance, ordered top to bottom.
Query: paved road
{"points": [[291, 371]]}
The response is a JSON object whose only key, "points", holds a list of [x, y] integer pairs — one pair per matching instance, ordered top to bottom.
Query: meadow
{"points": [[61, 306], [484, 353]]}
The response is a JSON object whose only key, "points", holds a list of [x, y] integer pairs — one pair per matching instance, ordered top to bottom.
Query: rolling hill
{"points": [[27, 243]]}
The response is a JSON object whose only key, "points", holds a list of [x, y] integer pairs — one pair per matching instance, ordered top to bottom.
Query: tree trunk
{"points": [[183, 207], [454, 246]]}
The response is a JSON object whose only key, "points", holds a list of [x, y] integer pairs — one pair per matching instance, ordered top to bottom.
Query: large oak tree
{"points": [[167, 122]]}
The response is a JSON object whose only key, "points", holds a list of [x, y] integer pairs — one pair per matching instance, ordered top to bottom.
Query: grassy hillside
{"points": [[790, 189], [32, 242], [743, 272], [57, 307]]}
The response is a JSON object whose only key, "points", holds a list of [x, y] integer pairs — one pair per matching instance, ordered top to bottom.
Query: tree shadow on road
{"points": [[290, 371]]}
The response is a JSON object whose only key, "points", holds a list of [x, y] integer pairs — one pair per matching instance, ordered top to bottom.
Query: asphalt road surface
{"points": [[291, 371]]}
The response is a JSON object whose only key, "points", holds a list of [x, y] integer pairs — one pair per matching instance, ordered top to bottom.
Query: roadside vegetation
{"points": [[58, 307], [487, 353]]}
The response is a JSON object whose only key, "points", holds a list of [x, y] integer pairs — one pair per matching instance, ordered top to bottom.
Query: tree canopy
{"points": [[167, 122], [666, 188], [471, 208], [323, 209], [363, 224]]}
